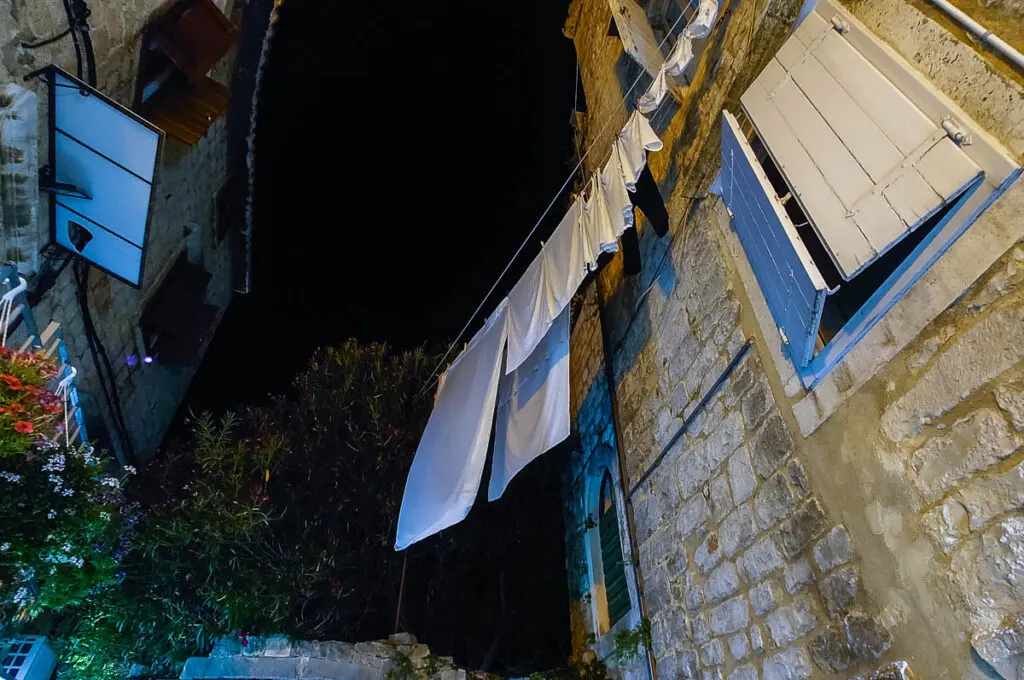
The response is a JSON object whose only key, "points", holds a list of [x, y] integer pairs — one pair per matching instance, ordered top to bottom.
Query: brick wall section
{"points": [[184, 198]]}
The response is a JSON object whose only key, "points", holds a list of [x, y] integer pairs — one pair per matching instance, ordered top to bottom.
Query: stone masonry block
{"points": [[983, 352], [1011, 399], [758, 402], [725, 439], [772, 444], [973, 444], [693, 470], [741, 476], [798, 477], [988, 497], [721, 498], [775, 501], [692, 514], [804, 526], [737, 531], [834, 549], [708, 554], [760, 560], [797, 575], [722, 582], [839, 590], [764, 597], [730, 616], [791, 621], [700, 630], [756, 639], [738, 646], [713, 653], [789, 664], [745, 672], [714, 673]]}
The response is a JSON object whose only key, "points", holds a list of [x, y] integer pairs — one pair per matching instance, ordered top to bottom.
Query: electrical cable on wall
{"points": [[78, 13]]}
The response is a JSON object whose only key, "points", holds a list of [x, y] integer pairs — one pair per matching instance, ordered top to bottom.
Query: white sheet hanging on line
{"points": [[700, 27], [636, 34], [680, 56], [655, 94], [635, 140], [620, 208], [598, 229], [565, 260], [528, 314], [533, 407], [445, 474]]}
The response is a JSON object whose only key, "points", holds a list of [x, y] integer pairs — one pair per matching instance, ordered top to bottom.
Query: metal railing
{"points": [[50, 342]]}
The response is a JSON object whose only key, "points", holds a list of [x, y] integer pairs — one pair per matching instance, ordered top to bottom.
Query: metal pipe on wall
{"points": [[983, 34]]}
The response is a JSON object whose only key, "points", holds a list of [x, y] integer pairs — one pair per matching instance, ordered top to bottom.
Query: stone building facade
{"points": [[183, 212], [869, 526]]}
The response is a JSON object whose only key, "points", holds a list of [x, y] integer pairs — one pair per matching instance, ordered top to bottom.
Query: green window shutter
{"points": [[616, 589]]}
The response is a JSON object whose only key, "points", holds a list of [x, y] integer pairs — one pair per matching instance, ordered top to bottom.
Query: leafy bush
{"points": [[59, 529], [200, 565]]}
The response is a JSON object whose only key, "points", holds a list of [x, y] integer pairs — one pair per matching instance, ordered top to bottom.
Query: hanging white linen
{"points": [[700, 27], [636, 34], [679, 58], [655, 94], [635, 140], [620, 208], [598, 229], [565, 261], [529, 314], [533, 407], [445, 474]]}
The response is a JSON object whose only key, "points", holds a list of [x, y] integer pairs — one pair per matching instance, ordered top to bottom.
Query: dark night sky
{"points": [[404, 151]]}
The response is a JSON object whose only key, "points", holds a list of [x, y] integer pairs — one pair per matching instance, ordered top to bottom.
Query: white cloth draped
{"points": [[700, 27], [679, 58], [655, 94], [635, 140], [620, 208], [598, 228], [565, 261], [529, 314], [533, 407], [449, 463]]}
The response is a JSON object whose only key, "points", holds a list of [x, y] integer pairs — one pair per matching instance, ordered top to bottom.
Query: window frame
{"points": [[999, 172], [601, 462]]}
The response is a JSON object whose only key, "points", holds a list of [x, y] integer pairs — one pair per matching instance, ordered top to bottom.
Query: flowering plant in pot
{"points": [[29, 411]]}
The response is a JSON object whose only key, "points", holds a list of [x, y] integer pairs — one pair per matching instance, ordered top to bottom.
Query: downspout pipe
{"points": [[983, 34]]}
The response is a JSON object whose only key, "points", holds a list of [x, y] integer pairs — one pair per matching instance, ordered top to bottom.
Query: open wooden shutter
{"points": [[866, 165], [789, 279], [616, 588]]}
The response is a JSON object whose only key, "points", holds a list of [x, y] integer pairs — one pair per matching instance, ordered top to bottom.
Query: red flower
{"points": [[12, 382], [32, 389], [17, 408], [3, 410], [24, 427], [254, 491]]}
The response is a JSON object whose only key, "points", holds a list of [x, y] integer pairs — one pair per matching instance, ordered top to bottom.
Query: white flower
{"points": [[55, 464], [130, 469], [11, 477], [67, 493], [51, 514], [105, 516], [5, 546], [77, 561], [21, 595]]}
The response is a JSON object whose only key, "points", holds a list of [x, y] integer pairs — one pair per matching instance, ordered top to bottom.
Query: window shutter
{"points": [[865, 164], [791, 283], [616, 589]]}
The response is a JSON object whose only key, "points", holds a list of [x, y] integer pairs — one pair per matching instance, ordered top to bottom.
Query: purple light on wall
{"points": [[148, 359], [132, 361]]}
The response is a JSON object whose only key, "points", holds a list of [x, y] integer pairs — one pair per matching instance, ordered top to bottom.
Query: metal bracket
{"points": [[49, 184]]}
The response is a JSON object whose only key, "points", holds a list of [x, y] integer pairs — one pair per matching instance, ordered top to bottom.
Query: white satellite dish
{"points": [[102, 163]]}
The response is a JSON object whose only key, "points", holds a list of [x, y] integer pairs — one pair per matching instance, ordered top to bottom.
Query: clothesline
{"points": [[432, 378]]}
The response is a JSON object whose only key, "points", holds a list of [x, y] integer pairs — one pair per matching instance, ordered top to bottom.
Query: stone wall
{"points": [[183, 216], [889, 532]]}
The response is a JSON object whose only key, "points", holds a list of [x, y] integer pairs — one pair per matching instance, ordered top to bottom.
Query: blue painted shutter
{"points": [[789, 279], [616, 589]]}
